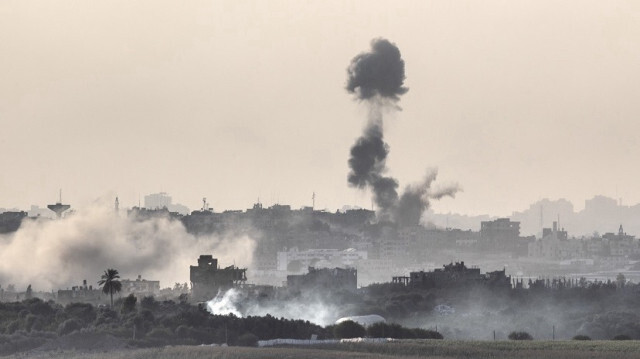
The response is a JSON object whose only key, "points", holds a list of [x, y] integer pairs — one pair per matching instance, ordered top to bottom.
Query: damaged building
{"points": [[453, 275], [207, 278], [326, 279], [140, 287]]}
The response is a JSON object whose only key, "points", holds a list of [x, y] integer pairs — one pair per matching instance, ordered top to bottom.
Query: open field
{"points": [[402, 349]]}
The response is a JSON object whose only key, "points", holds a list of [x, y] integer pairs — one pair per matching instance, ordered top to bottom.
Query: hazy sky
{"points": [[235, 100]]}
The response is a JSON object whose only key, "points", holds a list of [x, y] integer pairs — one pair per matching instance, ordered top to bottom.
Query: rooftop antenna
{"points": [[313, 200], [204, 204]]}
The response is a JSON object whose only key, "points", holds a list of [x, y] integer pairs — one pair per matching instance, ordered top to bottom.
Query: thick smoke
{"points": [[379, 73], [377, 78], [368, 165], [416, 198], [58, 254], [310, 306]]}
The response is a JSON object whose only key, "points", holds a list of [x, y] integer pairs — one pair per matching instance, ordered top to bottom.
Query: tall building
{"points": [[157, 200], [163, 200], [501, 232], [207, 279]]}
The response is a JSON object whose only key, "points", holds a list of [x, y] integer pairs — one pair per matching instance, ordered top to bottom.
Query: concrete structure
{"points": [[163, 200], [59, 208], [11, 221], [502, 230], [610, 250], [319, 258], [455, 274], [207, 279], [325, 279], [140, 287], [82, 294]]}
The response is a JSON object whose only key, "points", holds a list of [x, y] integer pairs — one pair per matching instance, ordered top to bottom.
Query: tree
{"points": [[620, 280], [110, 283], [129, 303], [348, 329], [520, 336]]}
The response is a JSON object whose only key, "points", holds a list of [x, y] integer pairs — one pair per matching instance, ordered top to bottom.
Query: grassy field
{"points": [[405, 349]]}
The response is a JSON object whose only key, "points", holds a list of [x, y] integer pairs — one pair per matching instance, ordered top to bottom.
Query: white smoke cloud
{"points": [[61, 253], [225, 303], [309, 307]]}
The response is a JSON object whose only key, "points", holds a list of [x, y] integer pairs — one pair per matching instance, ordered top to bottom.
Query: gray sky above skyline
{"points": [[235, 100]]}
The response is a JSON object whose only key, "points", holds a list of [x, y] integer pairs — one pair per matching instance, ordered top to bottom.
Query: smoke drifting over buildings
{"points": [[377, 78], [52, 254]]}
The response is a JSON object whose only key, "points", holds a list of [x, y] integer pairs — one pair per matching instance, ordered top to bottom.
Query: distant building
{"points": [[163, 200], [37, 211], [143, 214], [10, 221], [502, 230], [555, 245], [609, 250], [319, 257], [455, 274], [207, 279], [325, 279], [140, 287], [81, 294]]}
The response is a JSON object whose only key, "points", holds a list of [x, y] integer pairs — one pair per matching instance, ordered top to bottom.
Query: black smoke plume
{"points": [[377, 73], [377, 78], [368, 163], [416, 199]]}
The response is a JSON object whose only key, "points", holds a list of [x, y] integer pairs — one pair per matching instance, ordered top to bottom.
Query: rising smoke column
{"points": [[377, 78], [416, 198]]}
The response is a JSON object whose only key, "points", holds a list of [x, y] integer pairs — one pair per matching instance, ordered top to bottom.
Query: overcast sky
{"points": [[235, 100]]}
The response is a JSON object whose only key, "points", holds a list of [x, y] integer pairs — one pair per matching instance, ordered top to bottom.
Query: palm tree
{"points": [[110, 283]]}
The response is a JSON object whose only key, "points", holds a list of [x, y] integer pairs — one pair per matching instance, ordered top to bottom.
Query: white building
{"points": [[163, 200]]}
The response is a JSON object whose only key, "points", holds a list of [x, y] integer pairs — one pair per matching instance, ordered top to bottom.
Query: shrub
{"points": [[148, 302], [129, 303], [84, 312], [33, 322], [69, 326], [12, 327], [348, 329], [379, 330], [384, 330], [183, 331], [160, 333], [427, 334], [520, 336], [581, 337], [622, 337], [247, 340]]}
